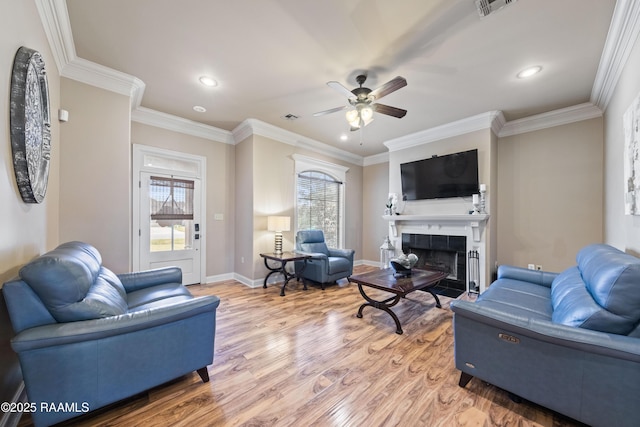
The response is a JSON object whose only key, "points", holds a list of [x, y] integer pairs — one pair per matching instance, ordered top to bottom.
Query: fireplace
{"points": [[457, 233], [443, 253]]}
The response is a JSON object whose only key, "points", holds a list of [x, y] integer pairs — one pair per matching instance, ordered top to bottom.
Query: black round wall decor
{"points": [[30, 125]]}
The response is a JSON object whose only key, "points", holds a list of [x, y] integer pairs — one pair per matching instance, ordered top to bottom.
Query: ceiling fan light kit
{"points": [[362, 99]]}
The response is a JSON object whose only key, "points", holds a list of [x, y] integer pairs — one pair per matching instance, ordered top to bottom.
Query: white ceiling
{"points": [[274, 57]]}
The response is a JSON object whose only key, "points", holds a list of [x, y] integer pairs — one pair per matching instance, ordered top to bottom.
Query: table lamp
{"points": [[278, 224]]}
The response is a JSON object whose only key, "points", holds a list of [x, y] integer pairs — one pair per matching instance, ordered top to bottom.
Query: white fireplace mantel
{"points": [[476, 222]]}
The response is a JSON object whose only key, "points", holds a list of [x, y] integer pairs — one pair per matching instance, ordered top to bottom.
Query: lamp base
{"points": [[278, 244]]}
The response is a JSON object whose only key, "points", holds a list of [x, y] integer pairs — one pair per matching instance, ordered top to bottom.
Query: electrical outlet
{"points": [[531, 266], [538, 267]]}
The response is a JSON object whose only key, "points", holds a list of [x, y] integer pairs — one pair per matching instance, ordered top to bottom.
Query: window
{"points": [[320, 198], [318, 205], [171, 210]]}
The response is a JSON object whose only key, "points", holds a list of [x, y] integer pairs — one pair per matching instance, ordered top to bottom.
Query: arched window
{"points": [[320, 198], [318, 203]]}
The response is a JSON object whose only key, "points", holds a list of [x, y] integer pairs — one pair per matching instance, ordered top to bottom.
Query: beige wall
{"points": [[220, 158], [95, 176], [265, 180], [273, 194], [550, 194], [374, 200], [27, 230], [621, 231], [244, 253]]}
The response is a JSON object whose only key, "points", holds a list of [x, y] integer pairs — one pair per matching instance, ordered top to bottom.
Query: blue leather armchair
{"points": [[326, 264], [86, 337], [568, 341]]}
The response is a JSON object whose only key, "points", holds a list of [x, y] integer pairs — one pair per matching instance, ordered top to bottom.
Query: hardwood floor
{"points": [[306, 360]]}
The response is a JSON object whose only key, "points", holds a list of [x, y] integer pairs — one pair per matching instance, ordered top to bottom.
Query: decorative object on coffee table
{"points": [[30, 125], [403, 264]]}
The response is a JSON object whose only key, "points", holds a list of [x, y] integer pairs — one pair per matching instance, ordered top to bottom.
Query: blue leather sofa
{"points": [[326, 264], [86, 337], [567, 341]]}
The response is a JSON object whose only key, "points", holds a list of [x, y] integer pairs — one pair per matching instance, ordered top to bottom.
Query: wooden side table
{"points": [[282, 260]]}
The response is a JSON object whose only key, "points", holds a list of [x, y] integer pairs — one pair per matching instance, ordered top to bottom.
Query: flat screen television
{"points": [[439, 177]]}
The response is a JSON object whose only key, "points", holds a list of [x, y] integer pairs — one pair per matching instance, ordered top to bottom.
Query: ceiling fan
{"points": [[362, 98]]}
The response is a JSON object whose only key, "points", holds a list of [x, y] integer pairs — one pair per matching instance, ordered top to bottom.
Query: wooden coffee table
{"points": [[385, 280]]}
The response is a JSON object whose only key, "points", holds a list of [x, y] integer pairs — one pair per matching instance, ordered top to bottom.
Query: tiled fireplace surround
{"points": [[452, 235]]}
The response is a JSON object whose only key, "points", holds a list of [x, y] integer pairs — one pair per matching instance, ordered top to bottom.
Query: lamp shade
{"points": [[278, 223]]}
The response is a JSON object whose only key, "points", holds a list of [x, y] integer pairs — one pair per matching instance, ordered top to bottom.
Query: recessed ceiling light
{"points": [[528, 72], [208, 81], [199, 109], [343, 137]]}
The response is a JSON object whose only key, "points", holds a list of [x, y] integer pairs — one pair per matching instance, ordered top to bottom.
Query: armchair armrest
{"points": [[345, 253], [314, 255], [544, 278], [144, 279], [87, 330], [611, 345]]}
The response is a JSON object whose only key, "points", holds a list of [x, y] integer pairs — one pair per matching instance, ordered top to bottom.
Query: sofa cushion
{"points": [[72, 284], [156, 293], [601, 293], [518, 298]]}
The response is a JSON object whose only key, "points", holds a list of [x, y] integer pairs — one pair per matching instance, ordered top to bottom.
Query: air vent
{"points": [[485, 7], [290, 117]]}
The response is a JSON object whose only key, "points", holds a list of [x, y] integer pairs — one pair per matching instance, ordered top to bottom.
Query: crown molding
{"points": [[56, 25], [623, 33], [105, 78], [158, 119], [550, 119], [489, 120], [257, 127], [376, 159]]}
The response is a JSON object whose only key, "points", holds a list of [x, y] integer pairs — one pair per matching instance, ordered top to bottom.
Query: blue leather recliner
{"points": [[326, 264], [86, 337], [567, 341]]}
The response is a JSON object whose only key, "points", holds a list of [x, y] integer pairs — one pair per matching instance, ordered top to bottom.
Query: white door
{"points": [[170, 228]]}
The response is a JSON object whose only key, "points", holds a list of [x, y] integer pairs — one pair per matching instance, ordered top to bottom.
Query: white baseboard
{"points": [[256, 283]]}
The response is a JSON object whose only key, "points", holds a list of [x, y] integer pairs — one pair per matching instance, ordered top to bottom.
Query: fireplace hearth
{"points": [[443, 253]]}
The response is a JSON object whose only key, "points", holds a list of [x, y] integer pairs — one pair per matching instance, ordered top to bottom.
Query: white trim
{"points": [[55, 21], [623, 33], [105, 78], [158, 119], [550, 119], [256, 127], [448, 130], [139, 151], [376, 159], [304, 163], [220, 278]]}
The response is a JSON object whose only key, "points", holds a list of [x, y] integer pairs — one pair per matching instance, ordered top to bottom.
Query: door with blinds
{"points": [[170, 231]]}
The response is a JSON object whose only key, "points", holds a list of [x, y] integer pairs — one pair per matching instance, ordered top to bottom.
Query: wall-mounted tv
{"points": [[452, 175]]}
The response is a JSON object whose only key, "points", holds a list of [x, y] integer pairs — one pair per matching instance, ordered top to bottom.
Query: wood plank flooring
{"points": [[306, 360]]}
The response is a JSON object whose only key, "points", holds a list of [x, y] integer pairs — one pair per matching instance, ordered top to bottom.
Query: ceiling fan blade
{"points": [[388, 87], [340, 88], [332, 110], [389, 111]]}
